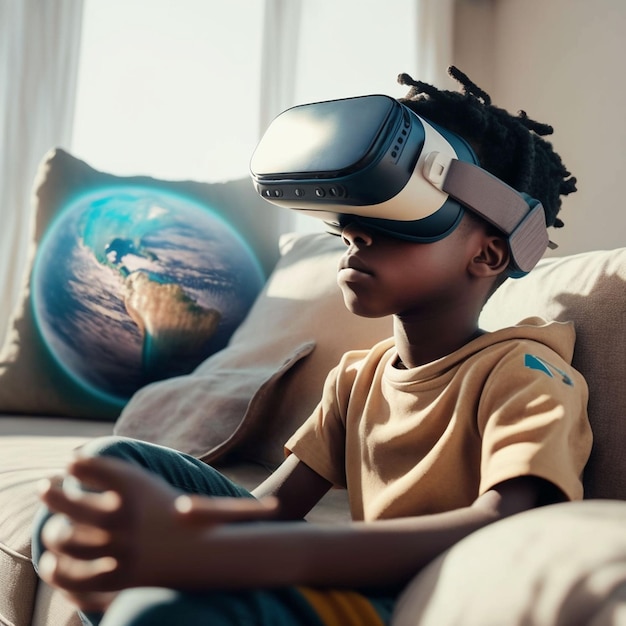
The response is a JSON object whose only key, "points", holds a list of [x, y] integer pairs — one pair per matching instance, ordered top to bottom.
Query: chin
{"points": [[358, 306], [363, 311]]}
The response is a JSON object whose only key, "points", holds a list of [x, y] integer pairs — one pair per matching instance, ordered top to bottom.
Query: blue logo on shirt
{"points": [[535, 363]]}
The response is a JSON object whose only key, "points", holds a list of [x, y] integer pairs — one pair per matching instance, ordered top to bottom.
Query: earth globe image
{"points": [[131, 285]]}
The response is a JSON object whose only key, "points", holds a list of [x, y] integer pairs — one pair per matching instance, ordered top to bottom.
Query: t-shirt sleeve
{"points": [[533, 421], [320, 441]]}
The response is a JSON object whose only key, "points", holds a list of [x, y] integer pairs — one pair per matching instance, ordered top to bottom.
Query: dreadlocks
{"points": [[509, 147]]}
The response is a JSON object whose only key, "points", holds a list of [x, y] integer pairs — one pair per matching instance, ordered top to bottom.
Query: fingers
{"points": [[94, 490], [99, 509], [201, 510], [61, 536], [77, 575]]}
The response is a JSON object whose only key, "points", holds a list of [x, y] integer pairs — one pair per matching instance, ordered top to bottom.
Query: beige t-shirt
{"points": [[435, 437]]}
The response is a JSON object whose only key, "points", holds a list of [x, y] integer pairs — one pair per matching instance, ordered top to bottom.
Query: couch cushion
{"points": [[590, 290], [251, 396], [12, 426], [24, 461], [560, 565], [53, 609]]}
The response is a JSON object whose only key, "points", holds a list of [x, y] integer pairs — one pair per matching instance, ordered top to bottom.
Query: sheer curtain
{"points": [[434, 36], [39, 48]]}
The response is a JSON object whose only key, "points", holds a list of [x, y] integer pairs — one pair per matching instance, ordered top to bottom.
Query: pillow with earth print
{"points": [[130, 280]]}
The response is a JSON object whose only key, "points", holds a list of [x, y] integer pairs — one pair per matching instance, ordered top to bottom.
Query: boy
{"points": [[435, 433]]}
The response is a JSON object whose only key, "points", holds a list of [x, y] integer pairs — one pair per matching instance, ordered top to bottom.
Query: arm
{"points": [[296, 486], [134, 534], [356, 554]]}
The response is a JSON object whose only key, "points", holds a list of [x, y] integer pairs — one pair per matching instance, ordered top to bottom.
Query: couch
{"points": [[563, 564]]}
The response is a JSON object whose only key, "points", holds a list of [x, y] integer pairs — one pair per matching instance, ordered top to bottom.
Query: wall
{"points": [[562, 62]]}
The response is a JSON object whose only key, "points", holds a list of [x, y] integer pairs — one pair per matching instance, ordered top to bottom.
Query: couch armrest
{"points": [[559, 565]]}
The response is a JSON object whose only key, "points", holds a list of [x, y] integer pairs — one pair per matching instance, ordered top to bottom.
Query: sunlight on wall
{"points": [[171, 89]]}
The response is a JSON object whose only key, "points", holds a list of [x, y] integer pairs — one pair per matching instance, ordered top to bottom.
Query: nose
{"points": [[354, 234]]}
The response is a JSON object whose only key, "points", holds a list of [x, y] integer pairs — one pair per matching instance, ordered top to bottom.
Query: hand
{"points": [[136, 530]]}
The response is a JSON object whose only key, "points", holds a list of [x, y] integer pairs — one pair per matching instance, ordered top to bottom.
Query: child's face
{"points": [[381, 275]]}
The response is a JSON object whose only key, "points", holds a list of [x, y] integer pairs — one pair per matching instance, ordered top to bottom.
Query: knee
{"points": [[119, 447]]}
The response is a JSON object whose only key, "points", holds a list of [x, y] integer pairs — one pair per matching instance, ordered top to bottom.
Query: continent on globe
{"points": [[171, 324]]}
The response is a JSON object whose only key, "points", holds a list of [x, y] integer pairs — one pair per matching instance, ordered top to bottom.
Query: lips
{"points": [[355, 264]]}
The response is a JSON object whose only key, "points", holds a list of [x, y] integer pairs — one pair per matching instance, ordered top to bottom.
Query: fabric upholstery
{"points": [[24, 462], [559, 565]]}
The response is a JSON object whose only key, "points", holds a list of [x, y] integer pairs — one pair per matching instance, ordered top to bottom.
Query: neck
{"points": [[420, 340]]}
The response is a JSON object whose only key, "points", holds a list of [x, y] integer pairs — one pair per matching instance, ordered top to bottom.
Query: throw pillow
{"points": [[130, 280], [251, 396]]}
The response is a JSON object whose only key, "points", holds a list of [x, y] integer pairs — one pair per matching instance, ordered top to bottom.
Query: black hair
{"points": [[509, 147]]}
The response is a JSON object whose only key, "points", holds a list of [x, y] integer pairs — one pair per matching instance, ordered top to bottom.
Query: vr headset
{"points": [[373, 161]]}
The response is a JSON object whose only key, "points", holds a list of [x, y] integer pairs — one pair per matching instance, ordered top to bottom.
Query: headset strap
{"points": [[502, 206]]}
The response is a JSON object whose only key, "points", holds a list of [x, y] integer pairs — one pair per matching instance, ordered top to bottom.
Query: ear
{"points": [[491, 259]]}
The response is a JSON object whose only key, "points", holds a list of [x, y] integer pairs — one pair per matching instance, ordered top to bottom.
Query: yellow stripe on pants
{"points": [[341, 608]]}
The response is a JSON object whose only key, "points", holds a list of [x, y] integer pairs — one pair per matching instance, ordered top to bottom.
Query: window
{"points": [[171, 89]]}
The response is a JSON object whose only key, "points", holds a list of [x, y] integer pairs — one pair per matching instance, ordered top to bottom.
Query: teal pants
{"points": [[169, 607]]}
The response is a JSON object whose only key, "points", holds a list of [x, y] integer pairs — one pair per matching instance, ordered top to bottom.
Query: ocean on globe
{"points": [[132, 285]]}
